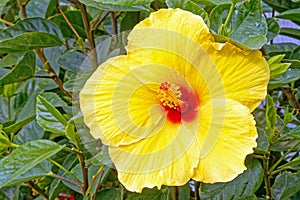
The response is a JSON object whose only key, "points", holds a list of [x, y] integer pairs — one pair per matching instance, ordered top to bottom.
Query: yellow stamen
{"points": [[169, 95]]}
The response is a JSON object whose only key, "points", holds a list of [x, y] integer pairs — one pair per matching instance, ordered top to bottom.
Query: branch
{"points": [[155, 5], [22, 9], [99, 19], [6, 22], [68, 22], [114, 22], [89, 34], [51, 72], [290, 95], [84, 173], [65, 179], [37, 189], [175, 192], [196, 193]]}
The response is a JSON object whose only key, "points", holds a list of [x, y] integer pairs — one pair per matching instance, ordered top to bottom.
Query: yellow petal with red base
{"points": [[227, 134]]}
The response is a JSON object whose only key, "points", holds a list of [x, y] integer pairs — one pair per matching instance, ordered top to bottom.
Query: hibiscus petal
{"points": [[155, 28], [245, 74], [98, 100], [227, 135], [167, 158]]}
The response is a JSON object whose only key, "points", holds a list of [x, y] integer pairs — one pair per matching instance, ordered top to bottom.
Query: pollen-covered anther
{"points": [[169, 95]]}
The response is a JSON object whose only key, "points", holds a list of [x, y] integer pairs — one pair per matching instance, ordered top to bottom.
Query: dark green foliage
{"points": [[49, 48]]}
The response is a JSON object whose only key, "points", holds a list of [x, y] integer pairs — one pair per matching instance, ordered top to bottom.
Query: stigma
{"points": [[169, 95], [180, 104]]}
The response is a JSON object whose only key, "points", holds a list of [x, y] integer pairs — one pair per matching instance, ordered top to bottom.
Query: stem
{"points": [[155, 5], [22, 9], [229, 14], [98, 20], [6, 22], [68, 22], [114, 22], [94, 23], [89, 34], [264, 51], [51, 72], [289, 94], [13, 145], [282, 157], [64, 169], [277, 171], [84, 174], [266, 176], [94, 179], [66, 180], [98, 185], [37, 189], [175, 192], [196, 193]]}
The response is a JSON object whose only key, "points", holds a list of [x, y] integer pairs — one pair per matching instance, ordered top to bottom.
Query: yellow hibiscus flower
{"points": [[178, 105]]}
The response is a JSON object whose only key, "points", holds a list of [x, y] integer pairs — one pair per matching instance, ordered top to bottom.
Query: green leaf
{"points": [[124, 2], [213, 2], [2, 4], [118, 5], [189, 5], [282, 5], [37, 8], [293, 14], [218, 16], [75, 19], [129, 20], [248, 26], [273, 28], [291, 32], [28, 34], [281, 48], [295, 53], [11, 59], [72, 61], [277, 68], [22, 71], [290, 76], [77, 81], [9, 90], [54, 99], [271, 116], [49, 117], [17, 126], [29, 132], [295, 132], [72, 135], [262, 140], [4, 142], [284, 145], [292, 165], [19, 166], [286, 185], [242, 187], [184, 192], [10, 193], [113, 193], [151, 194]]}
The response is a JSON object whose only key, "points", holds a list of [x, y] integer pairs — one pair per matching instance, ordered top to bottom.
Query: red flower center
{"points": [[180, 104]]}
